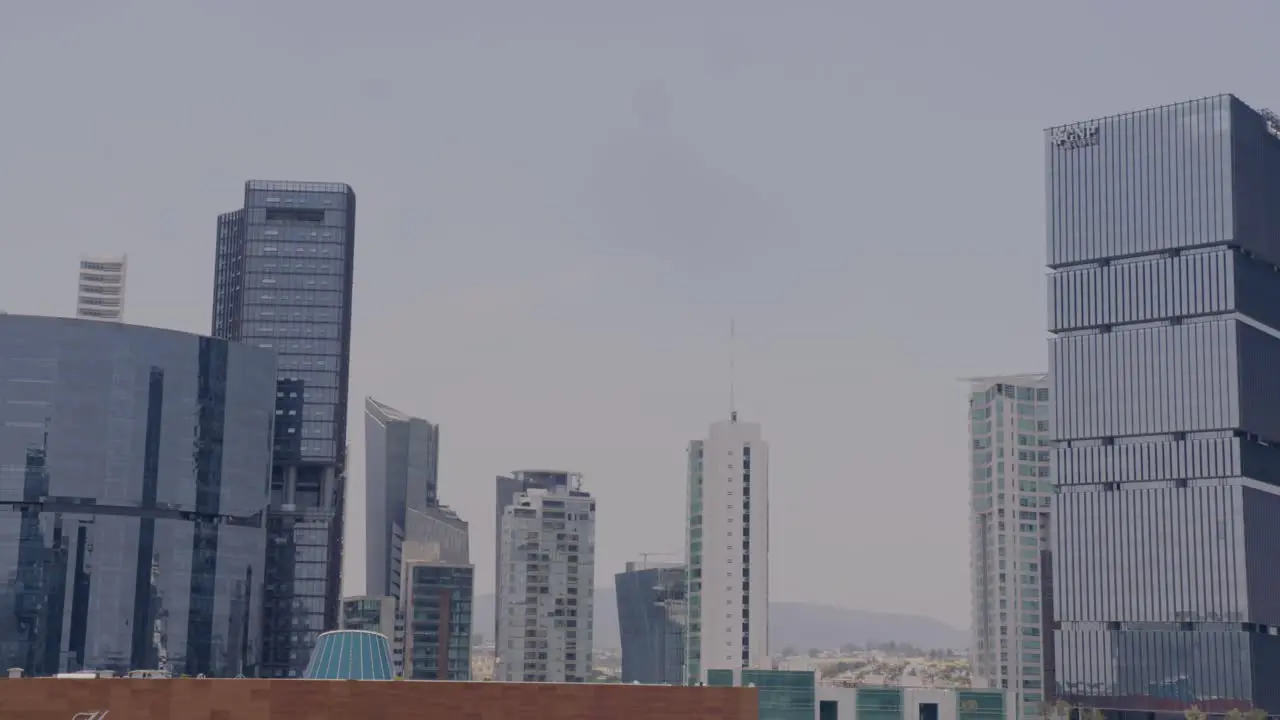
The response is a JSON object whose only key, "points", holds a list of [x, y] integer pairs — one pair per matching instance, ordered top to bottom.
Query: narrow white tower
{"points": [[100, 295], [1011, 496], [727, 544]]}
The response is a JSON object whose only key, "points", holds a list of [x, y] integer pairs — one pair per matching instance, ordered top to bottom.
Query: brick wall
{"points": [[192, 699]]}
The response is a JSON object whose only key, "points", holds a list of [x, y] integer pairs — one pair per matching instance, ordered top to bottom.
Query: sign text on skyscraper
{"points": [[1075, 136]]}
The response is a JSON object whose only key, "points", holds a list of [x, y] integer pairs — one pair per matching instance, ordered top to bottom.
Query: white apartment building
{"points": [[100, 295], [1011, 486], [727, 544], [545, 599]]}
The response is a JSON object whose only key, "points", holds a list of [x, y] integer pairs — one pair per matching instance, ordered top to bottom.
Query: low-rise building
{"points": [[379, 614], [796, 695]]}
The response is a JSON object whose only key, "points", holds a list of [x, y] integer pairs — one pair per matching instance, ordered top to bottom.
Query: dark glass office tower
{"points": [[283, 282], [1164, 303], [401, 459], [133, 488], [652, 612]]}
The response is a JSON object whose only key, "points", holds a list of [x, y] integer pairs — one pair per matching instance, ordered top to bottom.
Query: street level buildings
{"points": [[282, 281], [100, 291], [1164, 305], [134, 466], [1011, 495], [727, 543], [545, 593], [376, 614]]}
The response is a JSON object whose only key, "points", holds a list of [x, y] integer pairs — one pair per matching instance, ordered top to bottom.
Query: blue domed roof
{"points": [[350, 655]]}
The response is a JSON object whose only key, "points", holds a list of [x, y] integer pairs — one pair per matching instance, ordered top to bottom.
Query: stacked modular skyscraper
{"points": [[282, 281], [1164, 303]]}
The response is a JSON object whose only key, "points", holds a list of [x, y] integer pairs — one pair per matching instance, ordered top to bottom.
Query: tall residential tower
{"points": [[282, 281], [101, 285], [1164, 304], [506, 489], [1011, 495], [727, 538], [546, 597]]}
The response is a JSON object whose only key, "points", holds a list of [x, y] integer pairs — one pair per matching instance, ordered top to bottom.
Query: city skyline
{"points": [[577, 261]]}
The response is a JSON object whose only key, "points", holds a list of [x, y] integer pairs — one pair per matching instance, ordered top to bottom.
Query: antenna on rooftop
{"points": [[733, 406]]}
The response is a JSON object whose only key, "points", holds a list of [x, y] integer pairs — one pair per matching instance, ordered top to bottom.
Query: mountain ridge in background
{"points": [[791, 624]]}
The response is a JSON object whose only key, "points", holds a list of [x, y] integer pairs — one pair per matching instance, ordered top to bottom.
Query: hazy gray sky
{"points": [[562, 204]]}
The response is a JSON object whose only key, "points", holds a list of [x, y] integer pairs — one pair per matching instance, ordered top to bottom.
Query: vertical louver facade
{"points": [[1164, 303]]}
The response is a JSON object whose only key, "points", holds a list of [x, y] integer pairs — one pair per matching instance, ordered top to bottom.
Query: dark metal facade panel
{"points": [[1151, 181], [1256, 182], [1156, 288], [1152, 289], [1259, 363], [1148, 381], [1167, 460], [1262, 543], [1150, 555], [1264, 657]]}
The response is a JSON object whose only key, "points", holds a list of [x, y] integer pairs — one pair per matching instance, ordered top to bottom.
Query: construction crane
{"points": [[644, 557]]}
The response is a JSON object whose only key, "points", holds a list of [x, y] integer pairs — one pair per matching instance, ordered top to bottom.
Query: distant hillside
{"points": [[792, 624]]}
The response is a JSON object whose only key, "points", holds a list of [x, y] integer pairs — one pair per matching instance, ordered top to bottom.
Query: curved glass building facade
{"points": [[134, 471], [350, 655]]}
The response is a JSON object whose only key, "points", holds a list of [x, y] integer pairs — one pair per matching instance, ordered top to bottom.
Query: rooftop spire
{"points": [[733, 407]]}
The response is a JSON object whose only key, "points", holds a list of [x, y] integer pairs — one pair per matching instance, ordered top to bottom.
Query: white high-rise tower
{"points": [[100, 294], [1011, 492], [727, 544], [546, 576]]}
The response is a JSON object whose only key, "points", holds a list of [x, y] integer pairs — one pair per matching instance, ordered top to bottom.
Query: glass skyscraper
{"points": [[282, 281], [1164, 303], [401, 459], [133, 487], [652, 615]]}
